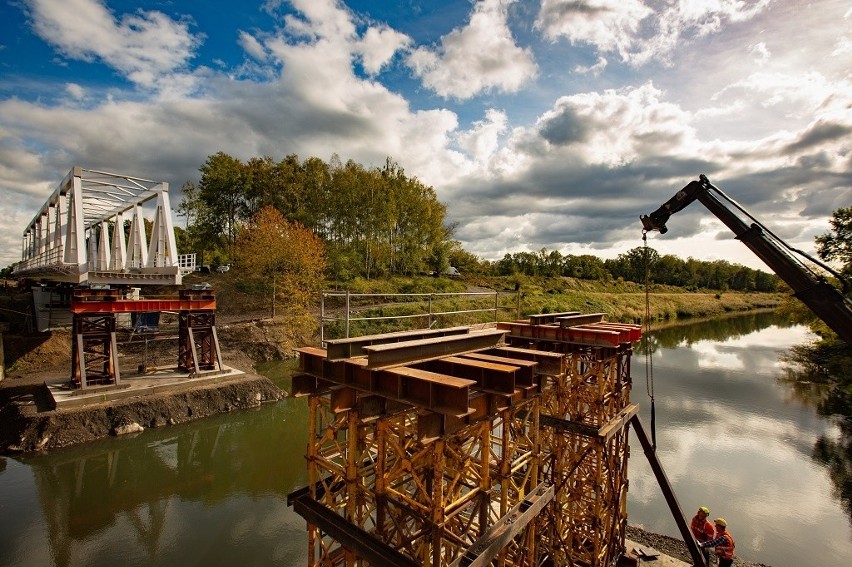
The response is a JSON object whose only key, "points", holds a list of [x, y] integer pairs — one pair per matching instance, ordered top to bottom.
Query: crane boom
{"points": [[825, 300]]}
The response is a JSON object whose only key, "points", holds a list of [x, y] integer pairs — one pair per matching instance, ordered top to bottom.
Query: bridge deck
{"points": [[92, 229]]}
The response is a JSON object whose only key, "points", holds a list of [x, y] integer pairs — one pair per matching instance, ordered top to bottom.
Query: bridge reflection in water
{"points": [[136, 500]]}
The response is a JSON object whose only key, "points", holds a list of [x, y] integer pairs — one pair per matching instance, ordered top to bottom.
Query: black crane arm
{"points": [[826, 301]]}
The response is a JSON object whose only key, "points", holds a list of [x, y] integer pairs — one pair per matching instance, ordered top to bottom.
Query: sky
{"points": [[540, 124]]}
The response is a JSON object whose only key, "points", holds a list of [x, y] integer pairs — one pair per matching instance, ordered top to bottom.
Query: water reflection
{"points": [[732, 437], [834, 453], [216, 488]]}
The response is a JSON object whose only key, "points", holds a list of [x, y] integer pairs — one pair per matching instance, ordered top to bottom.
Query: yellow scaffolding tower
{"points": [[465, 450]]}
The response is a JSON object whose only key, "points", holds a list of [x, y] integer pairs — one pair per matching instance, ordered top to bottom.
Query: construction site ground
{"points": [[38, 382]]}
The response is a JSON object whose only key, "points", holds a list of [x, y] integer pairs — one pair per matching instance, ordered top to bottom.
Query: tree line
{"points": [[374, 222], [377, 222], [632, 266]]}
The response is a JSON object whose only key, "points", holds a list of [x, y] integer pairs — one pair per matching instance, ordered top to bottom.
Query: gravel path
{"points": [[675, 547]]}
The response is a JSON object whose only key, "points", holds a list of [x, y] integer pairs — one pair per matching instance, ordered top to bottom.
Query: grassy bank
{"points": [[521, 296], [619, 300]]}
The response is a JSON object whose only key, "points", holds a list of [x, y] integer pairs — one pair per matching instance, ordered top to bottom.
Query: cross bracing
{"points": [[92, 229]]}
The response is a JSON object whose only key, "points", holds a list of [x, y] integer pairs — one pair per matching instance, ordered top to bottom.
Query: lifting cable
{"points": [[646, 339]]}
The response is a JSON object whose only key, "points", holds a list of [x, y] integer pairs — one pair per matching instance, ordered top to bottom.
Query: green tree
{"points": [[224, 190], [836, 245], [464, 261], [632, 265]]}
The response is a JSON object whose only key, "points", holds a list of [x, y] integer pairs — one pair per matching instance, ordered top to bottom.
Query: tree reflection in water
{"points": [[811, 385]]}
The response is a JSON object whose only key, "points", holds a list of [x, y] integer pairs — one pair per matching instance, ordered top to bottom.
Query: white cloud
{"points": [[328, 19], [611, 25], [635, 30], [251, 45], [379, 45], [143, 46], [842, 47], [761, 53], [476, 58], [595, 69], [76, 91], [799, 94], [615, 127], [482, 140]]}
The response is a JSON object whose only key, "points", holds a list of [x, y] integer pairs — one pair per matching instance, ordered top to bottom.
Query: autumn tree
{"points": [[286, 255]]}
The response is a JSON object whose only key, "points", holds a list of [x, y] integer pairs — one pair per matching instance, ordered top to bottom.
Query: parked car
{"points": [[223, 268], [452, 272]]}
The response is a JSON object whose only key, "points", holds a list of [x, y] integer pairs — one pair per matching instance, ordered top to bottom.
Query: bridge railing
{"points": [[53, 257], [186, 263], [344, 314]]}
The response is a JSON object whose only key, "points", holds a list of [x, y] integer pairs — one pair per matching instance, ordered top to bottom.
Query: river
{"points": [[731, 434]]}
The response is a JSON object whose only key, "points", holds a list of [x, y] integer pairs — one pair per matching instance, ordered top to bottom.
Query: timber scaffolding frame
{"points": [[463, 447]]}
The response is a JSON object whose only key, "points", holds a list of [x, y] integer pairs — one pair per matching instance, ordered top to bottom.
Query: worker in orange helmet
{"points": [[702, 530], [723, 542]]}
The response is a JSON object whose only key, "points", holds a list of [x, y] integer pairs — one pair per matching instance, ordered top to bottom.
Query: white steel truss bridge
{"points": [[92, 230]]}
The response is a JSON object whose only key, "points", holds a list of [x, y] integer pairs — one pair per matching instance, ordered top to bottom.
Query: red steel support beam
{"points": [[140, 305], [550, 318], [578, 319], [591, 334], [354, 346], [387, 355], [525, 373], [487, 375], [420, 388]]}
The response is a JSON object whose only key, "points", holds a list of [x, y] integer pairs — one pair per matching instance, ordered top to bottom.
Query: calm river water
{"points": [[731, 435]]}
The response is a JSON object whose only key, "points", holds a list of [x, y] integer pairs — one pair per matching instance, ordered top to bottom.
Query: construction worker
{"points": [[702, 530], [723, 542]]}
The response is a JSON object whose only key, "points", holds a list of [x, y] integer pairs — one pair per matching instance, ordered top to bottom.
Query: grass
{"points": [[618, 300]]}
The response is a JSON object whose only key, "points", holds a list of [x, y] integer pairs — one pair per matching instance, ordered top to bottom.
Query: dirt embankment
{"points": [[28, 423], [25, 429]]}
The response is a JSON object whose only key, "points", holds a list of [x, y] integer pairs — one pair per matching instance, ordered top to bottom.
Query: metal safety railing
{"points": [[343, 308]]}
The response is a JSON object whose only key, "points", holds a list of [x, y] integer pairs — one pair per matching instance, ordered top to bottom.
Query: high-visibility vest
{"points": [[703, 531], [726, 551]]}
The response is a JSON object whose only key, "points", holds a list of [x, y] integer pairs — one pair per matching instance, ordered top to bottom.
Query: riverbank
{"points": [[30, 422], [674, 547]]}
